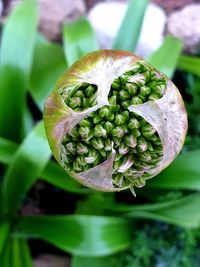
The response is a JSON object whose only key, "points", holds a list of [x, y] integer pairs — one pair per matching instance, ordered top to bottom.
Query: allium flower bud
{"points": [[113, 121]]}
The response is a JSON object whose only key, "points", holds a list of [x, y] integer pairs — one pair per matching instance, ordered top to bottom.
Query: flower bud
{"points": [[113, 121]]}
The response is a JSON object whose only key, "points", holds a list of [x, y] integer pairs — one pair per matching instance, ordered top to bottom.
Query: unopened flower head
{"points": [[114, 121]]}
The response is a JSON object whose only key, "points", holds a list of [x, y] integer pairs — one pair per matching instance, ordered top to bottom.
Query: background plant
{"points": [[29, 67]]}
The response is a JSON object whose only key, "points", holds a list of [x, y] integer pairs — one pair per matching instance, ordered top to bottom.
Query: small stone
{"points": [[52, 14], [106, 19], [185, 24], [46, 260]]}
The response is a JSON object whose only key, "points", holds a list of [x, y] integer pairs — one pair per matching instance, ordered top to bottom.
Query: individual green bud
{"points": [[124, 78], [138, 79], [116, 84], [132, 88], [160, 89], [145, 90], [89, 91], [72, 92], [79, 94], [124, 95], [154, 96], [92, 100], [113, 100], [136, 100], [75, 102], [85, 103], [126, 104], [114, 109], [104, 112], [110, 117], [97, 119], [120, 119], [85, 123], [133, 124], [109, 127], [148, 130], [99, 131], [84, 132], [118, 132], [135, 132], [67, 138], [131, 141], [97, 143], [108, 145], [142, 145], [71, 147], [81, 149], [123, 149], [102, 152], [91, 156], [118, 156], [145, 156], [81, 160], [126, 163], [76, 167], [118, 179], [139, 182]]}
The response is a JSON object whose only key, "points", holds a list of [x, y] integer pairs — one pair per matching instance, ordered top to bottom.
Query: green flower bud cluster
{"points": [[81, 97], [136, 142]]}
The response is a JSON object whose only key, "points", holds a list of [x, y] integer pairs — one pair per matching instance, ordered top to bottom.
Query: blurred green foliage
{"points": [[103, 224]]}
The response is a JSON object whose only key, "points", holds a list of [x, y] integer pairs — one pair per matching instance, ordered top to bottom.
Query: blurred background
{"points": [[46, 218]]}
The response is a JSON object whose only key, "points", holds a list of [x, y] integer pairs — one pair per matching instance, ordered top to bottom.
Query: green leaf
{"points": [[129, 32], [79, 39], [16, 55], [166, 57], [49, 62], [189, 64], [7, 149], [25, 167], [52, 173], [183, 173], [56, 176], [183, 212], [4, 232], [80, 235], [20, 253], [16, 254], [5, 256], [109, 261]]}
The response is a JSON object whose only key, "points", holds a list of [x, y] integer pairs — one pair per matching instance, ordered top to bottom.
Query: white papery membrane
{"points": [[167, 115]]}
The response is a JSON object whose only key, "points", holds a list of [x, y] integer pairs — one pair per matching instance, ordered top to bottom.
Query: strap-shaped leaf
{"points": [[129, 32], [79, 39], [16, 55], [166, 57], [49, 62], [189, 64], [7, 150], [26, 166], [52, 172], [183, 173], [56, 176], [184, 212], [4, 232], [80, 235], [16, 254], [20, 254], [109, 261]]}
